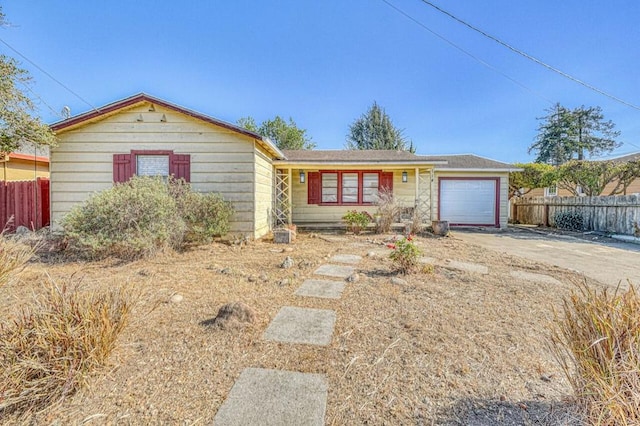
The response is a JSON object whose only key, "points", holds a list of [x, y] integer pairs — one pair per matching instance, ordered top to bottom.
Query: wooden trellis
{"points": [[282, 198]]}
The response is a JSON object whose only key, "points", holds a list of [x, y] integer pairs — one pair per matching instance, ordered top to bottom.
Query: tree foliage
{"points": [[18, 126], [375, 130], [567, 134], [284, 135], [533, 175], [590, 176]]}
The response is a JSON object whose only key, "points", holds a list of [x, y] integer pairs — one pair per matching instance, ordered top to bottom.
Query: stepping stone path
{"points": [[351, 259], [454, 264], [468, 267], [336, 271], [530, 276], [321, 288], [302, 325], [273, 397]]}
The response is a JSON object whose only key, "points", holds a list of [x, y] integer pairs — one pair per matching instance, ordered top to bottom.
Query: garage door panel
{"points": [[468, 201]]}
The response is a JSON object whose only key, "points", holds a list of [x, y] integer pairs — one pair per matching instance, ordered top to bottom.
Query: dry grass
{"points": [[13, 256], [597, 342], [50, 345], [445, 347]]}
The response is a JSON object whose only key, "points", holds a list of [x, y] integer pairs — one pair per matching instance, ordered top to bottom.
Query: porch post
{"points": [[289, 197], [417, 201]]}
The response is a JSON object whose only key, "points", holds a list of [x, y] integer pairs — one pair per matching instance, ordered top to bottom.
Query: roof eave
{"points": [[80, 119], [355, 163], [477, 169]]}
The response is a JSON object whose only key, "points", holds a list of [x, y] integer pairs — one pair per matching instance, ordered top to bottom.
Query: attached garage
{"points": [[469, 201]]}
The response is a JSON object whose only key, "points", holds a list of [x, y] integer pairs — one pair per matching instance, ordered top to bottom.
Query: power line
{"points": [[466, 52], [532, 58], [49, 75], [26, 86]]}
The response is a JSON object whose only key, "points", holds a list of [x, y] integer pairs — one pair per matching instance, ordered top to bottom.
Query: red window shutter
{"points": [[180, 166], [122, 167], [386, 181], [314, 195]]}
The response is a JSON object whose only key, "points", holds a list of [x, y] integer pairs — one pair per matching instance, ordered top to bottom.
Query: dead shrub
{"points": [[388, 210], [417, 222], [13, 256], [233, 315], [597, 343], [51, 345]]}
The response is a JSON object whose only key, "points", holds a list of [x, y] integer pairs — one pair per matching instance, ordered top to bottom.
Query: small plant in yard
{"points": [[357, 221], [571, 221], [405, 254], [597, 343], [50, 346]]}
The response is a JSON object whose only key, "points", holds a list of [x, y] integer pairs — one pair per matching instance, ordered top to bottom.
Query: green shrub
{"points": [[206, 215], [143, 216], [130, 220], [357, 221], [571, 221], [405, 254], [597, 342], [52, 345]]}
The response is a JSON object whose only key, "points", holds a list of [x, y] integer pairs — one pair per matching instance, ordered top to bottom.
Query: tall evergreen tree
{"points": [[374, 130], [567, 134]]}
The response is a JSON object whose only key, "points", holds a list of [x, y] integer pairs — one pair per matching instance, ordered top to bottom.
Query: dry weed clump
{"points": [[388, 210], [13, 256], [233, 315], [597, 342], [50, 346]]}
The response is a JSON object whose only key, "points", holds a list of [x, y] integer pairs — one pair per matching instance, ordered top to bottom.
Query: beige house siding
{"points": [[222, 161], [504, 190], [263, 192], [311, 213]]}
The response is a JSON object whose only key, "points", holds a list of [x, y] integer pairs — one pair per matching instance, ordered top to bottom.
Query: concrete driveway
{"points": [[608, 261]]}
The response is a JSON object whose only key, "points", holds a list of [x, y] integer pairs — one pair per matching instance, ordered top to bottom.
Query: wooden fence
{"points": [[24, 203], [618, 214]]}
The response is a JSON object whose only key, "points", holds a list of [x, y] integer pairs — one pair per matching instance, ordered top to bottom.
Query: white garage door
{"points": [[468, 201]]}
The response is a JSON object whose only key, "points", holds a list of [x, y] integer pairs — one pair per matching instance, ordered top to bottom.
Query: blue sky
{"points": [[323, 63]]}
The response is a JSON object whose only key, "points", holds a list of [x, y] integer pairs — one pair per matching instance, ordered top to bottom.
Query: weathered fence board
{"points": [[24, 203], [619, 214]]}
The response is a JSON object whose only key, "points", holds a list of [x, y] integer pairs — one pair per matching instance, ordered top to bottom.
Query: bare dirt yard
{"points": [[445, 347]]}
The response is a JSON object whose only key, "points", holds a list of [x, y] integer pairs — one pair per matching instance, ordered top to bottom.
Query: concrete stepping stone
{"points": [[351, 259], [468, 267], [337, 271], [530, 276], [321, 288], [302, 325], [273, 397]]}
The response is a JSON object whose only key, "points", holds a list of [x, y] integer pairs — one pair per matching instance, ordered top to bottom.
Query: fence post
{"points": [[545, 216]]}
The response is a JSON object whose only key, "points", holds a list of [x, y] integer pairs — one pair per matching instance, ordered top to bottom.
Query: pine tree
{"points": [[374, 130]]}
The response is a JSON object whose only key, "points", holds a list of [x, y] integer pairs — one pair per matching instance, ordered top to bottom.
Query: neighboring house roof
{"points": [[131, 101], [356, 156], [29, 157], [624, 158]]}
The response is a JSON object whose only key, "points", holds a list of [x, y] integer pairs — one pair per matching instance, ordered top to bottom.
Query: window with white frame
{"points": [[551, 191]]}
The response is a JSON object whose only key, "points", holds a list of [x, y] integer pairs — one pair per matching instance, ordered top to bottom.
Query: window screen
{"points": [[152, 165], [329, 187], [349, 187], [370, 187]]}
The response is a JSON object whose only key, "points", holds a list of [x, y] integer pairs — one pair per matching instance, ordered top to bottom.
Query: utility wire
{"points": [[466, 52], [531, 58], [49, 75], [56, 113]]}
